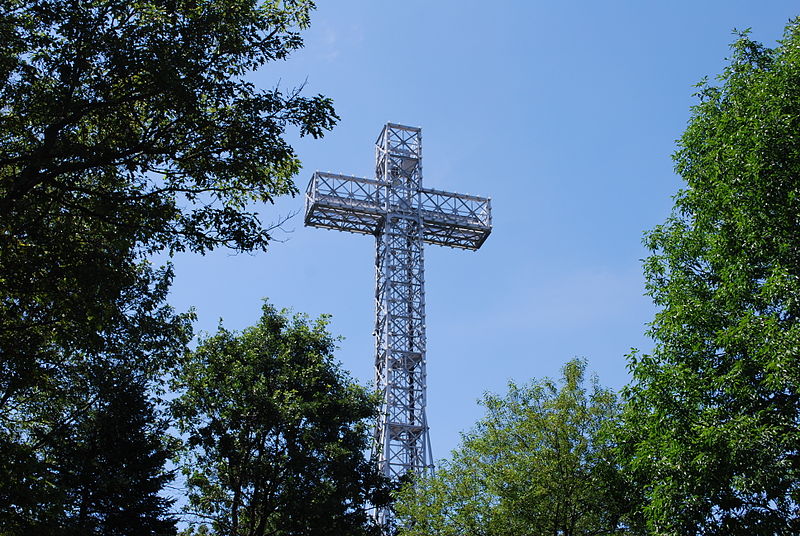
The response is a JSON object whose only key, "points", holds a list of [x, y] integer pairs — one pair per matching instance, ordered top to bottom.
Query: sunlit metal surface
{"points": [[402, 215]]}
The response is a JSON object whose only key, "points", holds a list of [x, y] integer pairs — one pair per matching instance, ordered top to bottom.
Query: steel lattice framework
{"points": [[402, 215]]}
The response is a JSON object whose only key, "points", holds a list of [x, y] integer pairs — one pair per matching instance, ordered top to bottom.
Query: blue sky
{"points": [[564, 113]]}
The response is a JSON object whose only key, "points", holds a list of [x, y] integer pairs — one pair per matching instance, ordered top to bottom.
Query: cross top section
{"points": [[360, 205]]}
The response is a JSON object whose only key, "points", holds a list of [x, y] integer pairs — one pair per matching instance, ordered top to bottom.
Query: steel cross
{"points": [[402, 215]]}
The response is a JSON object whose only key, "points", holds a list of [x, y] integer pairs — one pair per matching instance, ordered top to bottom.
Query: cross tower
{"points": [[402, 215]]}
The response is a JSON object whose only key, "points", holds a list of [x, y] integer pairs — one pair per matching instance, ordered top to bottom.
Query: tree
{"points": [[126, 127], [712, 422], [276, 433], [82, 449], [538, 463], [109, 466]]}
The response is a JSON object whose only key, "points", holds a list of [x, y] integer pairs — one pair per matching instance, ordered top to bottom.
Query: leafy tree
{"points": [[126, 127], [712, 424], [276, 433], [538, 463]]}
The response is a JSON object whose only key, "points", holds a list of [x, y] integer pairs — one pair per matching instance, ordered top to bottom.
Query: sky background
{"points": [[564, 113]]}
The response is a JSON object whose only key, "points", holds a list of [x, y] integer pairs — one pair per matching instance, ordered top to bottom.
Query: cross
{"points": [[402, 215]]}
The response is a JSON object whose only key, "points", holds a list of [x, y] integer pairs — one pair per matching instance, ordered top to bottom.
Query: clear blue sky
{"points": [[564, 113]]}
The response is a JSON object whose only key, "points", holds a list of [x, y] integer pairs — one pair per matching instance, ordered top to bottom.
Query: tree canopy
{"points": [[126, 127], [713, 414], [276, 433], [539, 462]]}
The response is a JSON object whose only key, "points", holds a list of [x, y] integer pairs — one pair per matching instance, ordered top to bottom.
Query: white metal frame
{"points": [[402, 215]]}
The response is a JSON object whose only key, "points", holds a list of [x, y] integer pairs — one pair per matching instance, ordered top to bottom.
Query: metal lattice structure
{"points": [[402, 215]]}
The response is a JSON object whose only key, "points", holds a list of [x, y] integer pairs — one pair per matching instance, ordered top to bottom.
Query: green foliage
{"points": [[136, 113], [126, 127], [60, 401], [712, 421], [276, 433], [539, 462], [110, 464], [98, 468]]}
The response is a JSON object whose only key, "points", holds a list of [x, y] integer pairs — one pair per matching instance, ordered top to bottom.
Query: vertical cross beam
{"points": [[402, 215], [401, 442]]}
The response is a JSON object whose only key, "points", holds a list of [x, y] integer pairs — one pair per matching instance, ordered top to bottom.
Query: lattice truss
{"points": [[361, 205], [402, 215]]}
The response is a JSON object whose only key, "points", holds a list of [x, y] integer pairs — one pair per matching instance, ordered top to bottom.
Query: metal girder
{"points": [[345, 203], [359, 205], [402, 216]]}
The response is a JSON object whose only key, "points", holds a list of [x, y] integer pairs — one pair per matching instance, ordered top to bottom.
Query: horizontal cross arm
{"points": [[344, 203], [359, 205], [455, 220]]}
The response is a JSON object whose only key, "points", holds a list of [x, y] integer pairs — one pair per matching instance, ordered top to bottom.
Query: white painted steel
{"points": [[402, 215]]}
